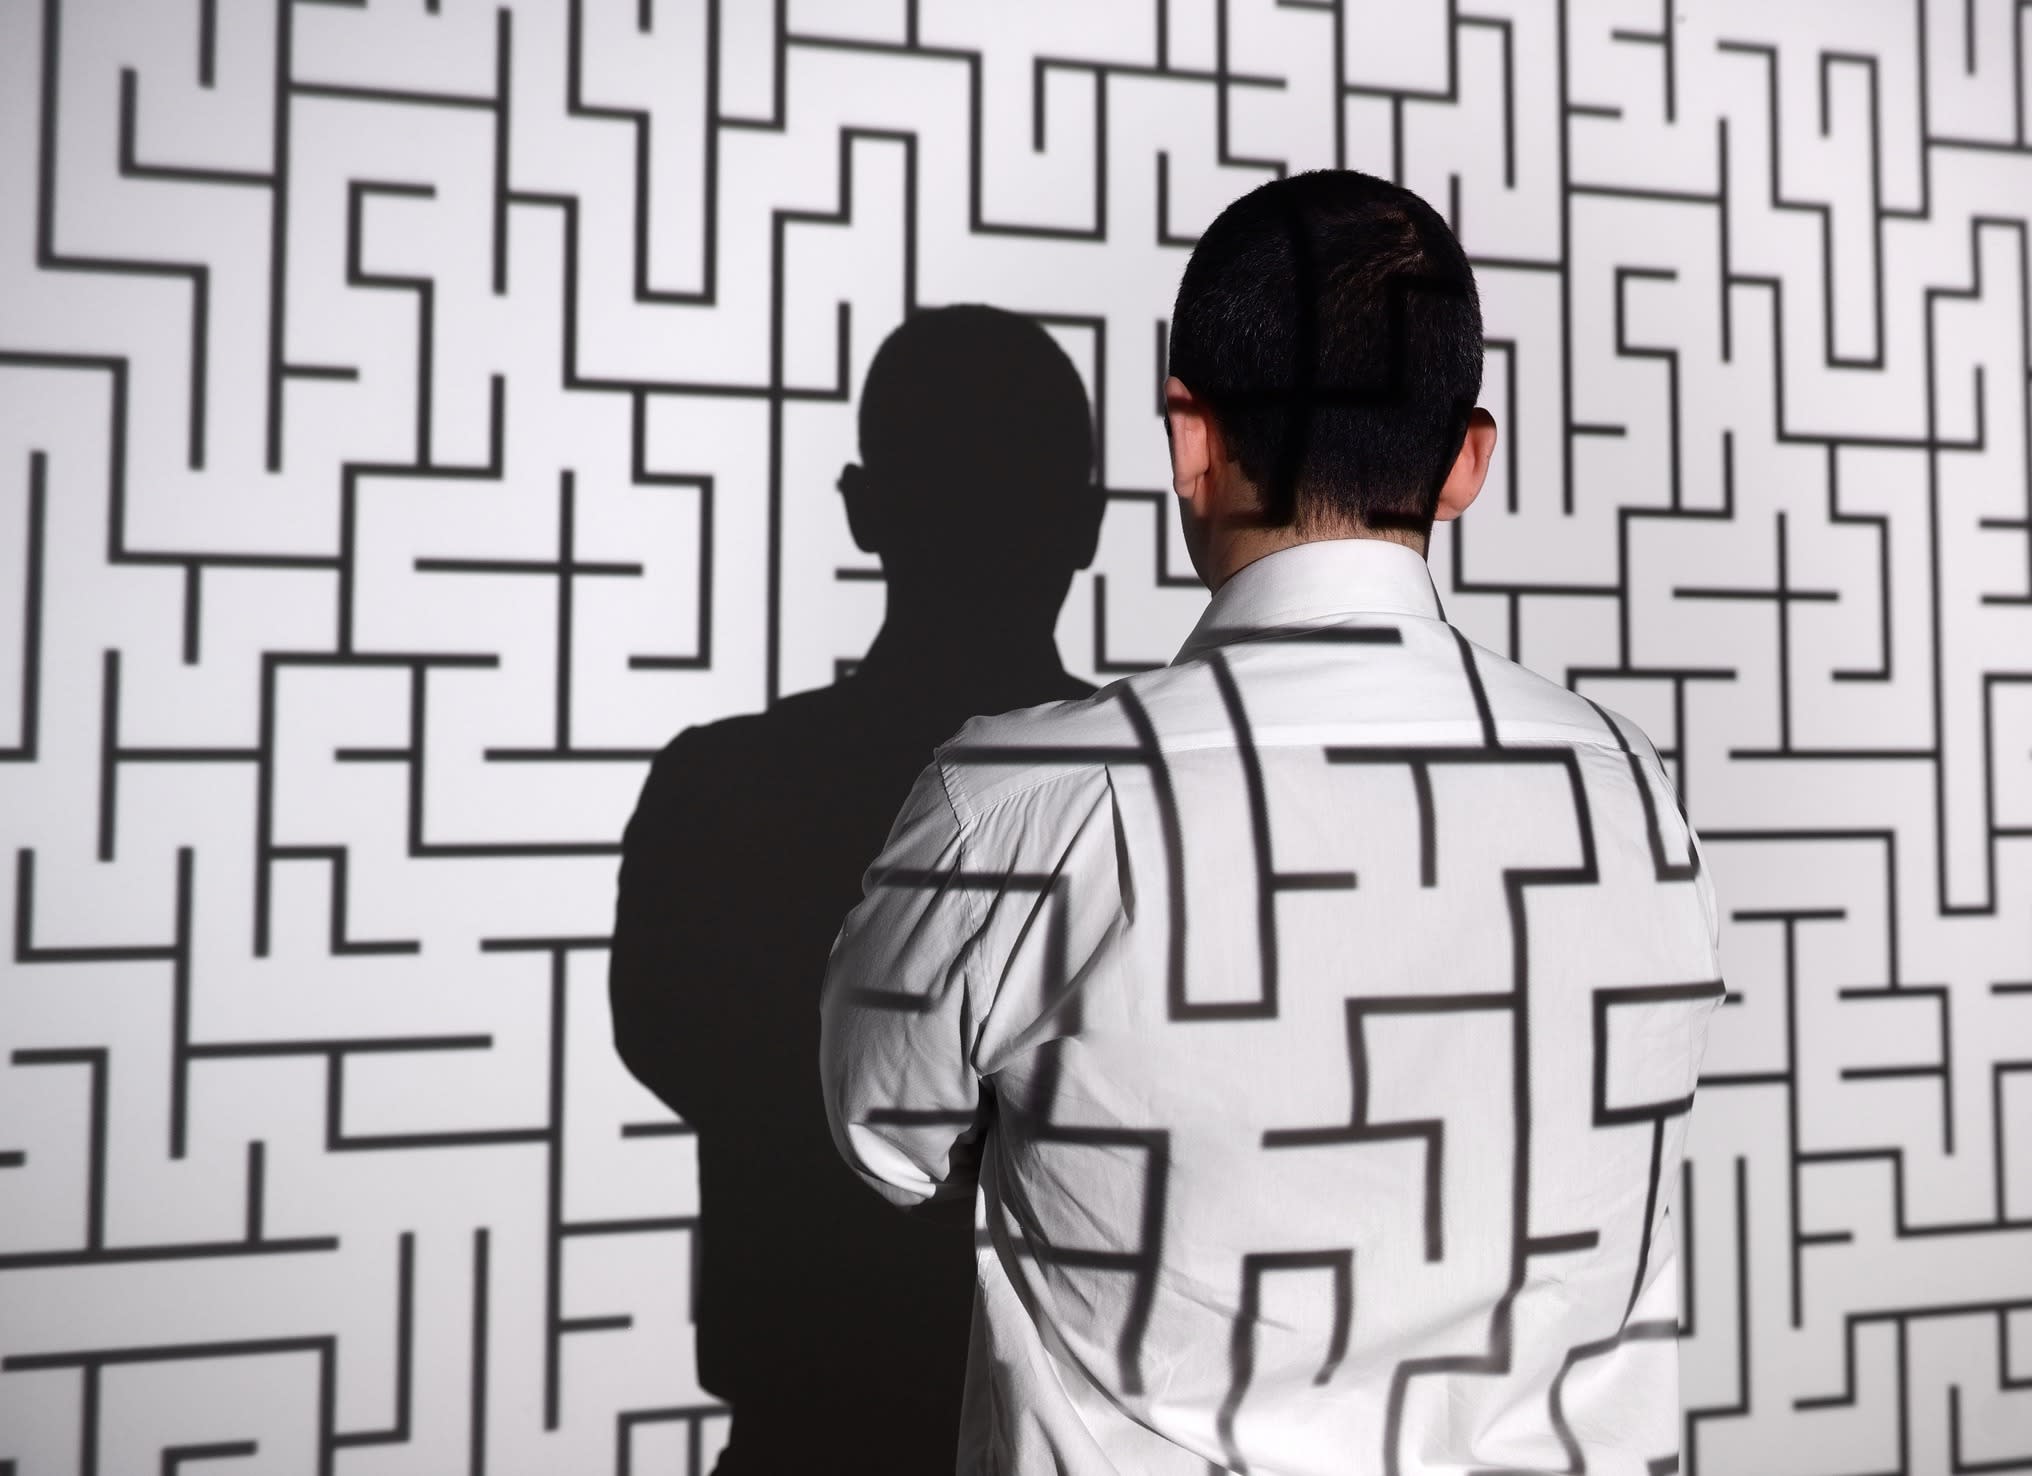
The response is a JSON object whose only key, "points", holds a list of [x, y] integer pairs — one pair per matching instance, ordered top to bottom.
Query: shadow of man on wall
{"points": [[834, 1325]]}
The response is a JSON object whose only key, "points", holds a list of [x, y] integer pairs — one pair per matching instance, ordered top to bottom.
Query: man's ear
{"points": [[1192, 443], [1470, 467], [864, 518]]}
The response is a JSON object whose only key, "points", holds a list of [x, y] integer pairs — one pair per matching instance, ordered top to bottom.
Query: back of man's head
{"points": [[1331, 324]]}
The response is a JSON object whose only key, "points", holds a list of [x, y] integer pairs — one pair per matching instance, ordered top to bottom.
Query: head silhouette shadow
{"points": [[834, 1325]]}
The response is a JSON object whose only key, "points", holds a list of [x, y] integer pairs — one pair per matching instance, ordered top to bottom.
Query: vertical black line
{"points": [[1670, 27], [208, 40], [503, 40], [1221, 79], [1340, 92], [779, 104], [1510, 107], [1565, 125], [45, 175], [711, 185], [1722, 226], [278, 235], [909, 240], [200, 360], [426, 368], [567, 555], [193, 594], [1784, 603], [31, 615], [772, 655], [419, 690], [109, 742], [264, 800], [1259, 829], [1428, 838], [1174, 847], [180, 1005], [1946, 1075], [257, 1187], [95, 1191], [1684, 1205], [1650, 1209], [553, 1229], [1792, 1236], [405, 1332], [1242, 1366], [328, 1402], [88, 1434], [477, 1465]]}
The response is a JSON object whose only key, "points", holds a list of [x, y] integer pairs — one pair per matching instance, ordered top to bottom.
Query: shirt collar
{"points": [[1312, 582]]}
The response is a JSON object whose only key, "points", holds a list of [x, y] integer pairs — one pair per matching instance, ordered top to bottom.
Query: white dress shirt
{"points": [[1318, 1016]]}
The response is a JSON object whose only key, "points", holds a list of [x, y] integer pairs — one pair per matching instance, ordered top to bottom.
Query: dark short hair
{"points": [[1330, 322]]}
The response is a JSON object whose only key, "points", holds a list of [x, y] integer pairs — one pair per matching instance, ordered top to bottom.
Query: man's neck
{"points": [[1244, 545], [937, 650]]}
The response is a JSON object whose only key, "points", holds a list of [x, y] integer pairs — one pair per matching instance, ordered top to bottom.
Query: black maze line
{"points": [[1221, 77], [1714, 210], [425, 463], [28, 743], [1148, 751], [1662, 868], [935, 880], [1269, 880], [1516, 881], [1049, 899], [176, 953], [1936, 995], [335, 1053], [1656, 1113], [1429, 1132], [1797, 1157], [557, 1228], [1140, 1262], [1256, 1265], [91, 1363], [1697, 1415], [693, 1417], [175, 1456]]}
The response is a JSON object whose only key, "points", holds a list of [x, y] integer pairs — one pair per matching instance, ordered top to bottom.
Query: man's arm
{"points": [[901, 1095]]}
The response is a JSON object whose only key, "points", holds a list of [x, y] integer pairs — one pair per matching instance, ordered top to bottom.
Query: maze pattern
{"points": [[412, 412], [1479, 949]]}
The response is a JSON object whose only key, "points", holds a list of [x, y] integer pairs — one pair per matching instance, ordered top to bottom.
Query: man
{"points": [[1319, 1014], [835, 1329]]}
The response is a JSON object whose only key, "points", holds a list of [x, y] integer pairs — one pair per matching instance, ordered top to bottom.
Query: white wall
{"points": [[354, 286]]}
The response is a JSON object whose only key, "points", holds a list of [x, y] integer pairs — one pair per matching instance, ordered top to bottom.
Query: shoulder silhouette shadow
{"points": [[835, 1325]]}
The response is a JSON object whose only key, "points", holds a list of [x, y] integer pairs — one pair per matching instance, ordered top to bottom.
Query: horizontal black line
{"points": [[342, 1045], [658, 1226], [192, 1251], [618, 1322]]}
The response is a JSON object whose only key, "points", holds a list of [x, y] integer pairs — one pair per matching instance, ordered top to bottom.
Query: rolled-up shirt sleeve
{"points": [[896, 1011]]}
